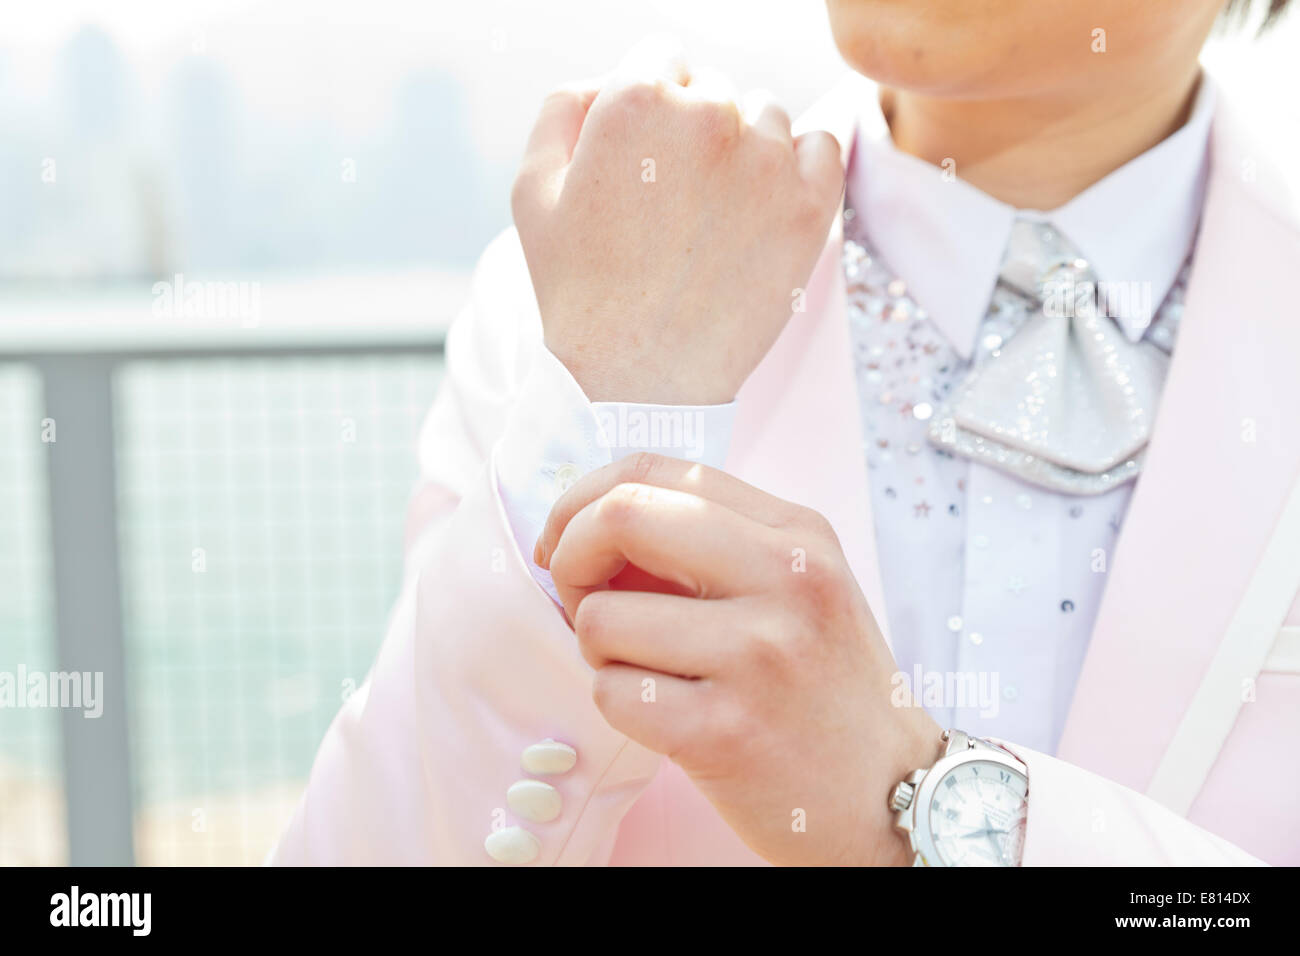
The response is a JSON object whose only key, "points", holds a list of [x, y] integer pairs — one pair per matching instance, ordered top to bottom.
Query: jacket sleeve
{"points": [[478, 664], [1077, 818]]}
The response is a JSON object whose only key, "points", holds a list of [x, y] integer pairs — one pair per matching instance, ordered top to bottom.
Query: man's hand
{"points": [[667, 230], [728, 633]]}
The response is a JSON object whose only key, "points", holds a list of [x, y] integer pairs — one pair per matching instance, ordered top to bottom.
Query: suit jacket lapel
{"points": [[1225, 452]]}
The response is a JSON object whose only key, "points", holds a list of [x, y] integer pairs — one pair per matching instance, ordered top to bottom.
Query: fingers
{"points": [[765, 116], [555, 134], [820, 165], [664, 472], [675, 536], [660, 632], [658, 711]]}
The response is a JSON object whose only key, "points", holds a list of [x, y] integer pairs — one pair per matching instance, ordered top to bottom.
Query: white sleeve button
{"points": [[566, 476], [549, 757], [534, 800], [512, 845]]}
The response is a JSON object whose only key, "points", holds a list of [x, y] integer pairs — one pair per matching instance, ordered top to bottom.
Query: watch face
{"points": [[977, 815]]}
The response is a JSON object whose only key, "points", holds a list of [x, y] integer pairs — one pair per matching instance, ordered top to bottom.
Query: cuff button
{"points": [[549, 757], [534, 800], [512, 845]]}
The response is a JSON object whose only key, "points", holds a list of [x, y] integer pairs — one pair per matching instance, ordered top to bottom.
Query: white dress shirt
{"points": [[991, 585]]}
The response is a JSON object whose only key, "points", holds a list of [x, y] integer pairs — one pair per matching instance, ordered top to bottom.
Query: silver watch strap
{"points": [[958, 741]]}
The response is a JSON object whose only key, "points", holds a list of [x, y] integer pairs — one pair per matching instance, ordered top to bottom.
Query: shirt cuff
{"points": [[554, 436]]}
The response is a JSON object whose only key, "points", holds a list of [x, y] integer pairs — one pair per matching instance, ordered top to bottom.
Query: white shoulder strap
{"points": [[1241, 656]]}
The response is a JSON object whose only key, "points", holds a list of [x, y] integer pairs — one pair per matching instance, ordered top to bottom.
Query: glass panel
{"points": [[261, 511], [32, 825]]}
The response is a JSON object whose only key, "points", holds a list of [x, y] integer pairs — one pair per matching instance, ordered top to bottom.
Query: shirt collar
{"points": [[945, 238]]}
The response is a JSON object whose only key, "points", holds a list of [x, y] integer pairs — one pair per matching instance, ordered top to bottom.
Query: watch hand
{"points": [[992, 835]]}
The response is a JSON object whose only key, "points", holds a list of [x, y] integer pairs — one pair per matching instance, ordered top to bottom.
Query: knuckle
{"points": [[637, 98], [717, 125], [827, 147], [821, 152], [620, 505], [814, 521], [822, 565], [561, 567], [818, 568], [823, 587], [591, 618], [592, 628], [769, 651], [603, 688], [728, 725]]}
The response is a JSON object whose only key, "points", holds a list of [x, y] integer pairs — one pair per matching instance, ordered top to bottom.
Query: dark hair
{"points": [[1239, 12]]}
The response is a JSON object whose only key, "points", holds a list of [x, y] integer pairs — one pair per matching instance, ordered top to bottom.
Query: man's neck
{"points": [[1039, 152]]}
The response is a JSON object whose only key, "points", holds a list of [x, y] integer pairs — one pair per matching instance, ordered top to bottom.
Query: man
{"points": [[972, 544]]}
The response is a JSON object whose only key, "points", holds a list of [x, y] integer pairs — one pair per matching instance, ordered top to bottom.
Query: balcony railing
{"points": [[205, 510]]}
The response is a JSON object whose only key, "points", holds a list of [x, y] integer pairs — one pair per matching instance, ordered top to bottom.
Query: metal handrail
{"points": [[77, 370]]}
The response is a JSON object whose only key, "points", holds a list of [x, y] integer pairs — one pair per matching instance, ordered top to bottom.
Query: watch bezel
{"points": [[922, 836]]}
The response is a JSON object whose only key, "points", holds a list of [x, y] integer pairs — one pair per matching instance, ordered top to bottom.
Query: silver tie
{"points": [[1067, 401]]}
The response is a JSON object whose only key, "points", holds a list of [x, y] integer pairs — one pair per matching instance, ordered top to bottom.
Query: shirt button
{"points": [[566, 476], [980, 541], [954, 623], [976, 638], [1009, 692], [549, 757], [534, 800], [512, 845]]}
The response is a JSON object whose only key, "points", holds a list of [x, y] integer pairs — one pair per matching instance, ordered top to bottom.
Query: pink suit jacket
{"points": [[478, 663]]}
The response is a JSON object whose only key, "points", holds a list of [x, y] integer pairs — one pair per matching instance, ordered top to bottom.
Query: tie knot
{"points": [[1043, 265], [1064, 404]]}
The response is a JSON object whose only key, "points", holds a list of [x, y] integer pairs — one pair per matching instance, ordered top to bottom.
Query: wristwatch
{"points": [[966, 810]]}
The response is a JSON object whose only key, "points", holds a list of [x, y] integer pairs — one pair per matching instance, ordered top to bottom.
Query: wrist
{"points": [[604, 377], [919, 745]]}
